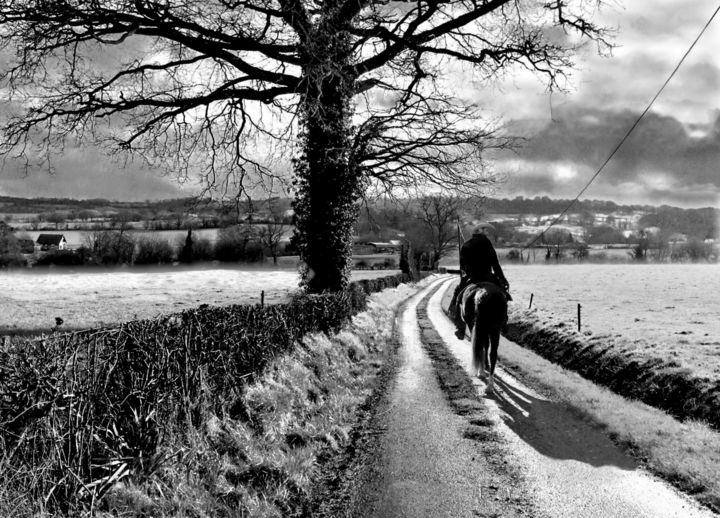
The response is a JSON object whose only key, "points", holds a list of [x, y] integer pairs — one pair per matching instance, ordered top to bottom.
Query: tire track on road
{"points": [[430, 461]]}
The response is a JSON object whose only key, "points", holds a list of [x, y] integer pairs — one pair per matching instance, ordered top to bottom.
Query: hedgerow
{"points": [[80, 411]]}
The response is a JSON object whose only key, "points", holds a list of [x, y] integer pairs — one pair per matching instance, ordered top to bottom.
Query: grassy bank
{"points": [[616, 363]]}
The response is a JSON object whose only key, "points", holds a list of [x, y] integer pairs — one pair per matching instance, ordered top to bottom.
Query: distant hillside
{"points": [[544, 205], [180, 206], [700, 223]]}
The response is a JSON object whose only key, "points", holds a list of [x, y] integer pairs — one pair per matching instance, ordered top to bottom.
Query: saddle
{"points": [[486, 278]]}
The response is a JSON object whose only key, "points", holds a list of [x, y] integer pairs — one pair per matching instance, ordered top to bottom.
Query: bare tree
{"points": [[196, 86], [55, 217], [272, 230], [436, 234], [554, 240]]}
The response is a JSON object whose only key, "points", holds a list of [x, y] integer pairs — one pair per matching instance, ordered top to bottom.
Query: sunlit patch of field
{"points": [[84, 298]]}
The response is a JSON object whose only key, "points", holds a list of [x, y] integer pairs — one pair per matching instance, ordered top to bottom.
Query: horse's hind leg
{"points": [[479, 344], [492, 360]]}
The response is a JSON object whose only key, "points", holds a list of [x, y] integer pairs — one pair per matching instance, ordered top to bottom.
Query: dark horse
{"points": [[484, 310]]}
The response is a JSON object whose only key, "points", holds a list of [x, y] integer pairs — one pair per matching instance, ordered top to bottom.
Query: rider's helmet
{"points": [[483, 229]]}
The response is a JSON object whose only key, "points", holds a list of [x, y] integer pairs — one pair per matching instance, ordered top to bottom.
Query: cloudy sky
{"points": [[673, 156]]}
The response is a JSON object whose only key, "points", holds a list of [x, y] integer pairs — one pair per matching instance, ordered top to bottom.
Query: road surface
{"points": [[511, 453]]}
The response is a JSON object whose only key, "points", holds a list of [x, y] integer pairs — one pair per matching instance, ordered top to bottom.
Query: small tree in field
{"points": [[204, 87], [55, 217], [272, 230], [554, 240]]}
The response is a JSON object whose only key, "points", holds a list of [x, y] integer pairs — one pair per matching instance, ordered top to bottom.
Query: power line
{"points": [[627, 134]]}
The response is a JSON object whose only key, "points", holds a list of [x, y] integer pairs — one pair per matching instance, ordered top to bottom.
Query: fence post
{"points": [[262, 298], [531, 299], [579, 321]]}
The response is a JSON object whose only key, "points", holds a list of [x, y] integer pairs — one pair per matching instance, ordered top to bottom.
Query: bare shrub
{"points": [[238, 243], [111, 247], [153, 250]]}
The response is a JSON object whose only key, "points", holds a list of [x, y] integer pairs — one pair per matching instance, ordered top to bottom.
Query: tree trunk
{"points": [[327, 187]]}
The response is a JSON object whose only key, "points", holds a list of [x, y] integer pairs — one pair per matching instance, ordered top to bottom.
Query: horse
{"points": [[484, 311]]}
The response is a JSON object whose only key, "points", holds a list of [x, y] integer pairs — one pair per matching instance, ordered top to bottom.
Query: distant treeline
{"points": [[542, 205], [380, 221], [244, 243]]}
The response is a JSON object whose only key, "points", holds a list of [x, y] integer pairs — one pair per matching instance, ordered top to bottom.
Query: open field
{"points": [[596, 254], [31, 299], [667, 310]]}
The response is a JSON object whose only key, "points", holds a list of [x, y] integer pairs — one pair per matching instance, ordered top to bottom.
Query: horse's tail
{"points": [[478, 339]]}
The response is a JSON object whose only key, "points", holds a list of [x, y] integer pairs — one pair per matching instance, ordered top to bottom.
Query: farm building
{"points": [[47, 242], [369, 248], [385, 248]]}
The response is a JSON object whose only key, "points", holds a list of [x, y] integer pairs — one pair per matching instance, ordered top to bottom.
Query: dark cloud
{"points": [[661, 159], [88, 173]]}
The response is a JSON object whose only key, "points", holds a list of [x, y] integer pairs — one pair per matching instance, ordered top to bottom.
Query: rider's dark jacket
{"points": [[479, 261]]}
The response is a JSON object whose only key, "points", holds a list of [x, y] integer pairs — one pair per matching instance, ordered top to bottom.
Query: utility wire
{"points": [[627, 134]]}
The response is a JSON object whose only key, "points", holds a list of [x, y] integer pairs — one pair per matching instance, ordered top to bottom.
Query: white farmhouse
{"points": [[47, 242]]}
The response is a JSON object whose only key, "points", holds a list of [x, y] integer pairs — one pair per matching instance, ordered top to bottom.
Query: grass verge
{"points": [[615, 363], [291, 422]]}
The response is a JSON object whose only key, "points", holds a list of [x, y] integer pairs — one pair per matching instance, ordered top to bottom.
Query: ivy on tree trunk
{"points": [[327, 186]]}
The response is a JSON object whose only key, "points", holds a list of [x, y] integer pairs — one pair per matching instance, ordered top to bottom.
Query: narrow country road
{"points": [[512, 453]]}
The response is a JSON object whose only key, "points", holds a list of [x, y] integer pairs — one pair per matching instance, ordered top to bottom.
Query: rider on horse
{"points": [[478, 263]]}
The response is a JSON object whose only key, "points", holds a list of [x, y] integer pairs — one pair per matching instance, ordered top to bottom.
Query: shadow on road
{"points": [[554, 431]]}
